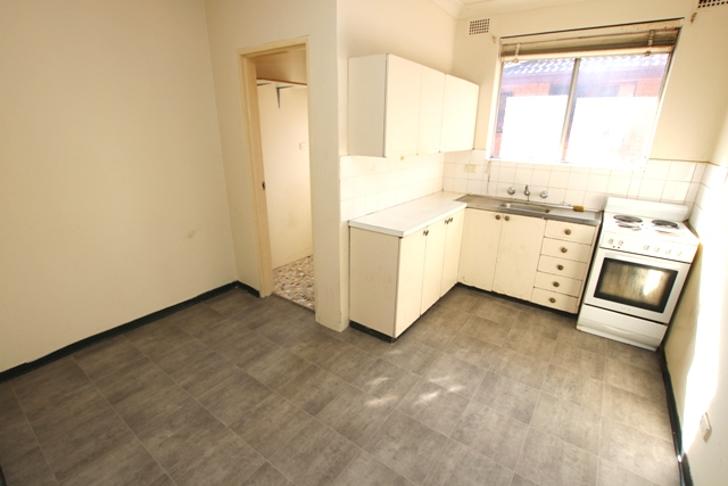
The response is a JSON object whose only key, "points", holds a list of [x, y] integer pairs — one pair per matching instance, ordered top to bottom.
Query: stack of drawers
{"points": [[563, 265]]}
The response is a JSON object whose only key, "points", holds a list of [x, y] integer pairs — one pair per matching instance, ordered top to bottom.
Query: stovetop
{"points": [[654, 231]]}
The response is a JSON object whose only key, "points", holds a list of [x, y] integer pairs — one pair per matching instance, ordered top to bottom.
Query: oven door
{"points": [[635, 285]]}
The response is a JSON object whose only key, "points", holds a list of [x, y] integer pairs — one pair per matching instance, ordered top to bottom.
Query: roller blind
{"points": [[623, 39]]}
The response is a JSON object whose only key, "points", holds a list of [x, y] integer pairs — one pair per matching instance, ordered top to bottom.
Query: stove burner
{"points": [[627, 219], [661, 223], [633, 227]]}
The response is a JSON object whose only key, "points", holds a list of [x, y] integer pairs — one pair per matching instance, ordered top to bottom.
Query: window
{"points": [[593, 107]]}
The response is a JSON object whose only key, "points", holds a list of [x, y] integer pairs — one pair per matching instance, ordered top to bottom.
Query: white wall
{"points": [[235, 25], [284, 137], [112, 197]]}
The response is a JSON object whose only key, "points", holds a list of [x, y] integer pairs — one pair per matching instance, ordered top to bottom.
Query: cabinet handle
{"points": [[497, 216], [507, 218], [567, 231], [426, 232], [564, 249], [559, 267], [555, 284], [552, 300]]}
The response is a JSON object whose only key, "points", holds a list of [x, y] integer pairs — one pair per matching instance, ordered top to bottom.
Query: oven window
{"points": [[635, 284]]}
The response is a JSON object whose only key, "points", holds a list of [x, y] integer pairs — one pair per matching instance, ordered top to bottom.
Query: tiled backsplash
{"points": [[659, 180], [372, 183]]}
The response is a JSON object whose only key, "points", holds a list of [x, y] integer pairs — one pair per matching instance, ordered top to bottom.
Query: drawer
{"points": [[579, 233], [566, 249], [562, 267], [558, 284], [555, 300]]}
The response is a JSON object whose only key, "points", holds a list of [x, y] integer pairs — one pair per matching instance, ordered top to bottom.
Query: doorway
{"points": [[280, 112]]}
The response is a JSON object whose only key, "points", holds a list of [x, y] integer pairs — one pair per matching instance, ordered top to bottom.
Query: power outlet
{"points": [[705, 426]]}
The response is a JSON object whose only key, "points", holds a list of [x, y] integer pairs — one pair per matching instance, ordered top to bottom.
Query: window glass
{"points": [[532, 104], [614, 107]]}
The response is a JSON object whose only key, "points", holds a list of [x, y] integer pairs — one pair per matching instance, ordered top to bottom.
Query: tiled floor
{"points": [[294, 282], [245, 391]]}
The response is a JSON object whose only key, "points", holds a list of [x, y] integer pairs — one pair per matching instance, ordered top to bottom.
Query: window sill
{"points": [[572, 165]]}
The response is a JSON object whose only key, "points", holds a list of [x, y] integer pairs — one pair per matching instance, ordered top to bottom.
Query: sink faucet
{"points": [[526, 192]]}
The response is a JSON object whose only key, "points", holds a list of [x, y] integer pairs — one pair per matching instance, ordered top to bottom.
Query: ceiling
{"points": [[461, 9]]}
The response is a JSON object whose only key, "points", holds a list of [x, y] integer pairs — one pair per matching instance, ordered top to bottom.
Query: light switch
{"points": [[471, 168], [705, 426]]}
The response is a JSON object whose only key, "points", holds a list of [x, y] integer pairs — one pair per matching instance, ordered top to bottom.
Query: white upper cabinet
{"points": [[432, 96], [398, 108], [459, 114]]}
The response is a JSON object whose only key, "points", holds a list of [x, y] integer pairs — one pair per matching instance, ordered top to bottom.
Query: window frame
{"points": [[571, 103]]}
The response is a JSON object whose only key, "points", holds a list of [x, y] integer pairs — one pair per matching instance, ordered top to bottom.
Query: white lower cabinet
{"points": [[500, 252], [526, 257], [395, 279]]}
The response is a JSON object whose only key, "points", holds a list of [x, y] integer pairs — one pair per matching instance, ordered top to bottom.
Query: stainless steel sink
{"points": [[531, 208]]}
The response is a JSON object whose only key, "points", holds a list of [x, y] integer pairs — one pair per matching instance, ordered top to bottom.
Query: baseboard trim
{"points": [[114, 331], [686, 478]]}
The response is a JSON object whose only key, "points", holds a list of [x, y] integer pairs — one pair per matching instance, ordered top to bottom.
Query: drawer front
{"points": [[579, 233], [566, 249], [562, 267], [558, 284], [555, 300]]}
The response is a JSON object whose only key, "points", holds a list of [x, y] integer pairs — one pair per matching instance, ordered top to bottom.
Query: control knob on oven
{"points": [[610, 241], [646, 247]]}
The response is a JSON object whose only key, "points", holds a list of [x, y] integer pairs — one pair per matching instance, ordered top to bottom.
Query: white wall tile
{"points": [[657, 169], [681, 171], [523, 175], [540, 177], [559, 179], [578, 179], [597, 183], [619, 184], [651, 189], [675, 191], [574, 197]]}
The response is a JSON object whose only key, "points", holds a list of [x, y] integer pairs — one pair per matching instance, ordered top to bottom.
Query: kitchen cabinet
{"points": [[397, 107], [459, 114], [500, 252], [518, 254], [530, 258], [395, 279]]}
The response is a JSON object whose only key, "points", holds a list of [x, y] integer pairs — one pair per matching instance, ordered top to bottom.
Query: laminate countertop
{"points": [[516, 206]]}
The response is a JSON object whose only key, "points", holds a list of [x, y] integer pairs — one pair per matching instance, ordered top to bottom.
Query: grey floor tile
{"points": [[462, 299], [231, 302], [498, 309], [196, 318], [545, 322], [287, 331], [494, 332], [583, 340], [158, 341], [531, 342], [245, 348], [319, 348], [474, 351], [411, 355], [108, 356], [642, 358], [350, 362], [586, 362], [276, 367], [520, 367], [202, 372], [454, 374], [637, 380], [385, 381], [43, 386], [575, 387], [313, 389], [509, 397], [233, 398], [434, 406], [644, 414], [356, 415], [272, 424], [576, 425], [492, 434], [16, 435], [407, 446], [639, 453], [316, 455], [228, 460], [547, 460], [459, 465], [28, 469], [364, 470], [267, 475], [609, 475], [519, 480]]}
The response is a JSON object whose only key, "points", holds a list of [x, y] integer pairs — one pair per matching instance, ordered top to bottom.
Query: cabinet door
{"points": [[432, 93], [402, 107], [459, 113], [481, 232], [453, 241], [518, 254], [434, 256], [409, 280]]}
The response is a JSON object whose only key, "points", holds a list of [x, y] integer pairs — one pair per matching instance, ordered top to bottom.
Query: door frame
{"points": [[249, 99]]}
